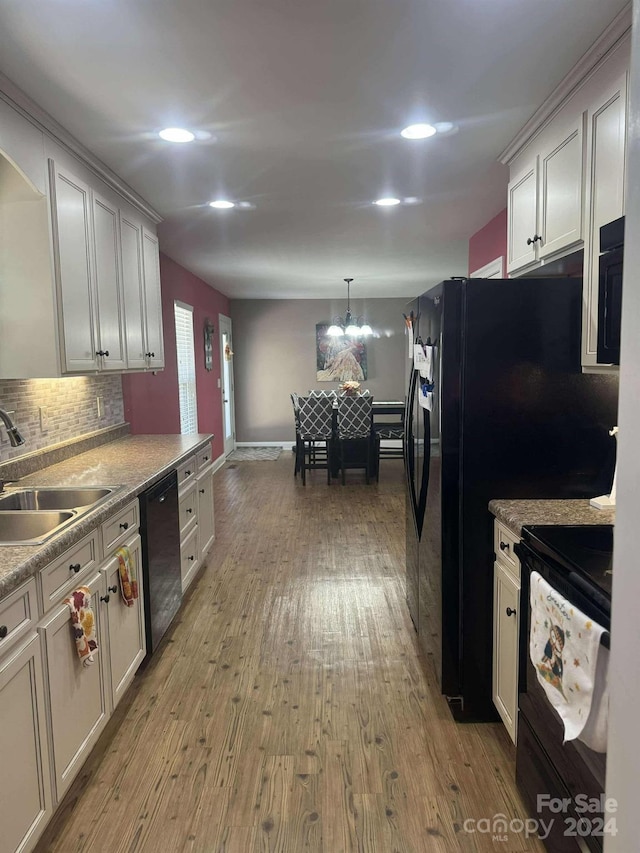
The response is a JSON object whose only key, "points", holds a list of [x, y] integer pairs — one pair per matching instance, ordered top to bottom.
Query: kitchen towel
{"points": [[128, 579], [84, 624], [564, 646]]}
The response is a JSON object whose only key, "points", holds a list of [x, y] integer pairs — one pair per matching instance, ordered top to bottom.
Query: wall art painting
{"points": [[342, 359]]}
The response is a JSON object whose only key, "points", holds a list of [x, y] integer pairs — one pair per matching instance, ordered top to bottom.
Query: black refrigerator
{"points": [[512, 416]]}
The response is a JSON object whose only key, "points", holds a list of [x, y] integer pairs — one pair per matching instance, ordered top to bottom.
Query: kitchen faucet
{"points": [[13, 432]]}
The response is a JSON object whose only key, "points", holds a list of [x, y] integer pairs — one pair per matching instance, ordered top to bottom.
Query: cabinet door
{"points": [[606, 142], [561, 192], [522, 218], [71, 220], [133, 290], [153, 300], [110, 316], [206, 527], [189, 560], [125, 626], [506, 630], [77, 698], [25, 803]]}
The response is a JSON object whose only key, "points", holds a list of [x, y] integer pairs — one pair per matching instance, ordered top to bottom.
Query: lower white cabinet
{"points": [[206, 525], [124, 626], [506, 628], [82, 698], [78, 702], [25, 801]]}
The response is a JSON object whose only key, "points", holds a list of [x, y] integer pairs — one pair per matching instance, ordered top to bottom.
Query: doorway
{"points": [[226, 384]]}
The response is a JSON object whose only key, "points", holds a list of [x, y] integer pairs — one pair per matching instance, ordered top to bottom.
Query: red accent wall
{"points": [[489, 243], [151, 400]]}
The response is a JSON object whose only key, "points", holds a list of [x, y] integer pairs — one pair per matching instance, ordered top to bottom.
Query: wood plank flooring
{"points": [[289, 708]]}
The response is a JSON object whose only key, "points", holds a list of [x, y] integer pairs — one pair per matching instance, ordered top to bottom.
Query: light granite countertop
{"points": [[134, 462], [516, 514]]}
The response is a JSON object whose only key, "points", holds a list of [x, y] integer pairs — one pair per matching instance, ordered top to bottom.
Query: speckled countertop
{"points": [[134, 462], [515, 514]]}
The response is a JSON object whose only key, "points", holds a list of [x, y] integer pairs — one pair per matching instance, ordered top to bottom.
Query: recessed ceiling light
{"points": [[444, 126], [418, 131], [176, 134], [411, 199], [387, 202], [222, 204]]}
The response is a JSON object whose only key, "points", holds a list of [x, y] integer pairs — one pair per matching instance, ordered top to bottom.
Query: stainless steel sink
{"points": [[63, 498], [31, 516], [18, 528]]}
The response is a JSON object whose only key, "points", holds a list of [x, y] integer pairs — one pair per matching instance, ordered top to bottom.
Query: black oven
{"points": [[610, 292], [545, 767]]}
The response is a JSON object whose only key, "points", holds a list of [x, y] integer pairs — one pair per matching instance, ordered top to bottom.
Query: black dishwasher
{"points": [[161, 573]]}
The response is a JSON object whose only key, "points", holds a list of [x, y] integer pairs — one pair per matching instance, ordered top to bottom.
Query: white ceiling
{"points": [[305, 99]]}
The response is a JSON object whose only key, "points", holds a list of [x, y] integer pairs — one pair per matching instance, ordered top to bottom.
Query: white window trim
{"points": [[494, 269], [186, 373]]}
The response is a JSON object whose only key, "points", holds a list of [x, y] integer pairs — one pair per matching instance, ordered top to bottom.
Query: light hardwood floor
{"points": [[289, 709]]}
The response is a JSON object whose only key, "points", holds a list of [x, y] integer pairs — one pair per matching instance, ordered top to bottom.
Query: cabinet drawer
{"points": [[204, 458], [186, 472], [188, 510], [119, 528], [503, 543], [189, 558], [66, 572], [18, 614]]}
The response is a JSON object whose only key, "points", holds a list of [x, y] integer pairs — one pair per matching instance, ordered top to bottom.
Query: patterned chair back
{"points": [[331, 394], [296, 409], [315, 417], [354, 417]]}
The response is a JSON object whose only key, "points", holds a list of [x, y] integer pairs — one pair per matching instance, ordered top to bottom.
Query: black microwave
{"points": [[610, 291]]}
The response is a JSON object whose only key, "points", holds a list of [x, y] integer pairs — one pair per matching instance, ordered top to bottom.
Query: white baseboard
{"points": [[282, 443], [218, 463]]}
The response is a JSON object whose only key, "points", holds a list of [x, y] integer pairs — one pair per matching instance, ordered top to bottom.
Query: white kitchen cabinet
{"points": [[606, 145], [561, 191], [545, 200], [522, 220], [73, 251], [70, 265], [108, 290], [133, 291], [152, 300], [206, 525], [189, 559], [506, 628], [125, 638], [78, 702], [25, 803]]}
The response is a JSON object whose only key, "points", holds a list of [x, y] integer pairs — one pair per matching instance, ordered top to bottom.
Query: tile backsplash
{"points": [[70, 409]]}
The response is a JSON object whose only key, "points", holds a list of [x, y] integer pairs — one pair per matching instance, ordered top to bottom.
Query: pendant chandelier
{"points": [[351, 326]]}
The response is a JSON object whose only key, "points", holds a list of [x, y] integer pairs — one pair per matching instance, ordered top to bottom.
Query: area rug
{"points": [[253, 454]]}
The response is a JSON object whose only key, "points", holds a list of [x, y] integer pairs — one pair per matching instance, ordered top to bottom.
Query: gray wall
{"points": [[274, 343]]}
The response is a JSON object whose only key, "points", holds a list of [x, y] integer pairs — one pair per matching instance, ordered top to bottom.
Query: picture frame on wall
{"points": [[339, 359]]}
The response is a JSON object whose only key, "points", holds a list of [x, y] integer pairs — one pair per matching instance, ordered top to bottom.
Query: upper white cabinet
{"points": [[606, 143], [567, 173], [545, 201], [522, 217], [72, 245], [79, 268], [153, 300], [110, 316]]}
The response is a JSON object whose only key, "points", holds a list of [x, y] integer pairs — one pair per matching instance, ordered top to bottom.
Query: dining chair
{"points": [[295, 400], [355, 416], [316, 430], [384, 431]]}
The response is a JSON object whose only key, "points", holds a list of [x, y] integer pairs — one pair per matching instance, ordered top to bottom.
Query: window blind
{"points": [[185, 352]]}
